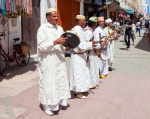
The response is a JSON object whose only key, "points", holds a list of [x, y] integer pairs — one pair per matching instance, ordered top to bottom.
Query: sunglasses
{"points": [[100, 21]]}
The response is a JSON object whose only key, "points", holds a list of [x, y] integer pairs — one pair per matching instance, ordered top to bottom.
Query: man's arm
{"points": [[45, 45]]}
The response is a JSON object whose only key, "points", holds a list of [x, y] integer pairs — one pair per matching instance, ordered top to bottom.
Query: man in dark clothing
{"points": [[141, 24], [128, 29]]}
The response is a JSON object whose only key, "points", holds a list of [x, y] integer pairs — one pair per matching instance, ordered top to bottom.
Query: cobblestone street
{"points": [[124, 94]]}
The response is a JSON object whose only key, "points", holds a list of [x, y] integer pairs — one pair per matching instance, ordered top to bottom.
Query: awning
{"points": [[129, 11]]}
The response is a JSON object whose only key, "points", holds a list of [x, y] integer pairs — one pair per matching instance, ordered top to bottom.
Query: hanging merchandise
{"points": [[8, 6], [19, 7], [24, 7], [3, 8], [15, 8]]}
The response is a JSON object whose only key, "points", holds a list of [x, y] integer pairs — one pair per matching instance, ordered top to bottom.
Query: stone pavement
{"points": [[124, 94]]}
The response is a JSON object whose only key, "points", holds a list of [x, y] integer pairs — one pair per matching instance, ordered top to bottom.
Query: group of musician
{"points": [[93, 58], [89, 61]]}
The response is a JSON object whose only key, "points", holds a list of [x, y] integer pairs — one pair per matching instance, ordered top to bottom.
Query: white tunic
{"points": [[111, 49], [93, 63], [103, 66], [53, 81], [79, 82]]}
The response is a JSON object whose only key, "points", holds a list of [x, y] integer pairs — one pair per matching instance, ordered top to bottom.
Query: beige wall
{"points": [[134, 3]]}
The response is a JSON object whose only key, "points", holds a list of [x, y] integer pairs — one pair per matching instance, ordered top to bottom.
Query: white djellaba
{"points": [[53, 80]]}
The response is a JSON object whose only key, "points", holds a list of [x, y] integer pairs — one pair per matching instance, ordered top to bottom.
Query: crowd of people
{"points": [[91, 60]]}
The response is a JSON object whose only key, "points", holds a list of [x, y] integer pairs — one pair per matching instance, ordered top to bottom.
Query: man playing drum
{"points": [[53, 80], [79, 82]]}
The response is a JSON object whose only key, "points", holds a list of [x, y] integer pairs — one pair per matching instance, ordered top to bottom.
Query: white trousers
{"points": [[103, 65], [55, 107]]}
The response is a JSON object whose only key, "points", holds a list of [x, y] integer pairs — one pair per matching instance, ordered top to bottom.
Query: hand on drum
{"points": [[60, 40], [67, 48]]}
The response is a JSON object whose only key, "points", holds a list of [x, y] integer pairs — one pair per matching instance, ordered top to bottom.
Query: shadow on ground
{"points": [[143, 44], [17, 70]]}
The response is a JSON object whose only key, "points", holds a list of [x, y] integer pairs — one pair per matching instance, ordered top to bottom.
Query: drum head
{"points": [[72, 41]]}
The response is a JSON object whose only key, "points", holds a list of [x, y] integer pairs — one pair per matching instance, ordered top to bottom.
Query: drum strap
{"points": [[89, 30]]}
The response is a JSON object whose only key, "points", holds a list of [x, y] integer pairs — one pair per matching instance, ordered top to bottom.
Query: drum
{"points": [[73, 40]]}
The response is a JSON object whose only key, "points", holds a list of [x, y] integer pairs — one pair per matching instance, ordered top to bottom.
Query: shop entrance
{"points": [[67, 11]]}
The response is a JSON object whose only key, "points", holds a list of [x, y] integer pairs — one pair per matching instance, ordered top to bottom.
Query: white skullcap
{"points": [[50, 10], [80, 17], [108, 20]]}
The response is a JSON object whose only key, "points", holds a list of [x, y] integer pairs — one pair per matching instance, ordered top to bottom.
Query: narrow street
{"points": [[124, 94]]}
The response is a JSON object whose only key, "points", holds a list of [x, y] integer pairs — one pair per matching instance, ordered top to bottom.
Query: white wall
{"points": [[44, 4], [81, 8], [14, 32], [11, 33]]}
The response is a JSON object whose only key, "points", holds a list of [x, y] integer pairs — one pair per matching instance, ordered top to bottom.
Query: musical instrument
{"points": [[107, 39], [73, 40], [104, 42]]}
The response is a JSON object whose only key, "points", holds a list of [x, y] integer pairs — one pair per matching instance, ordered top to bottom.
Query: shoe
{"points": [[128, 49], [110, 69], [102, 76], [96, 87], [81, 96], [63, 108], [48, 112], [56, 112]]}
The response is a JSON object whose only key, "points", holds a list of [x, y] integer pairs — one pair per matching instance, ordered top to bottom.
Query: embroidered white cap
{"points": [[50, 10], [80, 17], [108, 20]]}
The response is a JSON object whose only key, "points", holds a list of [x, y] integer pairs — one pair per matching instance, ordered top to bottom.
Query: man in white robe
{"points": [[99, 32], [110, 49], [92, 57], [53, 81], [79, 82]]}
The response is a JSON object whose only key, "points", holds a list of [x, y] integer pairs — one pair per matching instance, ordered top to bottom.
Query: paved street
{"points": [[124, 94]]}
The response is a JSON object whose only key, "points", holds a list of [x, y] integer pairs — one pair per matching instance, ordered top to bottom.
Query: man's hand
{"points": [[116, 38], [60, 40], [93, 44], [67, 48]]}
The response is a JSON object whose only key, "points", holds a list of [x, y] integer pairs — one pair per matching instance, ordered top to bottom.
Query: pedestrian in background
{"points": [[128, 29], [138, 29], [133, 37], [53, 80]]}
